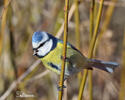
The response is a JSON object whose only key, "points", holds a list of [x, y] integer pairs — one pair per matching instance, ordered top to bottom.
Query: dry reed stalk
{"points": [[106, 22], [3, 24], [77, 25], [77, 31], [91, 35], [91, 49], [122, 86], [60, 93]]}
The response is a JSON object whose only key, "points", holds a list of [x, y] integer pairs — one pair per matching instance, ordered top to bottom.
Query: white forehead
{"points": [[37, 44]]}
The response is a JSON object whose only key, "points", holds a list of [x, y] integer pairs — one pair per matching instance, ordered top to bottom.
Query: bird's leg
{"points": [[65, 77], [59, 87]]}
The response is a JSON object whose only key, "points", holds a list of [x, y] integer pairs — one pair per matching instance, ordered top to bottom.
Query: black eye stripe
{"points": [[40, 45]]}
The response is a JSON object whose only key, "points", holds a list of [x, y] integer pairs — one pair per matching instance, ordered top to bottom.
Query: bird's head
{"points": [[43, 43]]}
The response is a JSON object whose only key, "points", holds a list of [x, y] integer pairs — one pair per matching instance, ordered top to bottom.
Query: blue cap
{"points": [[37, 36]]}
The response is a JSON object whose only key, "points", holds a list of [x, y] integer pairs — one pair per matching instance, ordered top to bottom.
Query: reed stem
{"points": [[92, 6], [107, 18], [3, 24], [77, 31], [91, 35], [91, 49], [82, 86], [122, 86], [60, 93]]}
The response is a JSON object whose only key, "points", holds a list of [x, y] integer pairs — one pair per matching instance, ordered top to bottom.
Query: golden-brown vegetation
{"points": [[19, 70]]}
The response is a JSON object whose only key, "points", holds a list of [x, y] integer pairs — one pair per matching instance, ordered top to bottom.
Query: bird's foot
{"points": [[59, 87]]}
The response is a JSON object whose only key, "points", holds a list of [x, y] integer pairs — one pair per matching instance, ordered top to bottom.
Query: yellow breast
{"points": [[54, 57], [53, 60]]}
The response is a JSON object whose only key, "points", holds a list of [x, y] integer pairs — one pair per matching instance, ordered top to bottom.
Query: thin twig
{"points": [[110, 3], [71, 11], [38, 76], [14, 84]]}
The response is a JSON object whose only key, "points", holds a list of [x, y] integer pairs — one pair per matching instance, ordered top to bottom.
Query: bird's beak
{"points": [[34, 53]]}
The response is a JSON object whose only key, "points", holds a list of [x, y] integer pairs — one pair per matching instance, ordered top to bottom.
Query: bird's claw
{"points": [[59, 87]]}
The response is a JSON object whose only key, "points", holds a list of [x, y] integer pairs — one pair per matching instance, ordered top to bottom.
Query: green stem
{"points": [[92, 18], [107, 18], [3, 24], [77, 32], [91, 35], [91, 49], [64, 50], [82, 86], [122, 86]]}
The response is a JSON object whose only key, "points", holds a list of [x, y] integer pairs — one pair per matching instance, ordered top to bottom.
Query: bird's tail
{"points": [[103, 65]]}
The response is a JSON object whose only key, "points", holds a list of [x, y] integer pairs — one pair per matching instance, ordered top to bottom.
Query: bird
{"points": [[49, 50]]}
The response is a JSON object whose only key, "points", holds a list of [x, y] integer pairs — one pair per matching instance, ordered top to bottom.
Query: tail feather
{"points": [[103, 65]]}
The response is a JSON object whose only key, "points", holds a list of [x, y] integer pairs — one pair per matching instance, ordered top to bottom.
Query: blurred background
{"points": [[20, 18]]}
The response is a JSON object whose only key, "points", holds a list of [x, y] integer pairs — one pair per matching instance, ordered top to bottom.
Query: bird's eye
{"points": [[37, 50]]}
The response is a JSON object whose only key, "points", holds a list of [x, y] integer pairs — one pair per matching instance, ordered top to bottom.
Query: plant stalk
{"points": [[3, 24], [77, 31], [91, 35], [91, 49], [122, 86], [60, 93]]}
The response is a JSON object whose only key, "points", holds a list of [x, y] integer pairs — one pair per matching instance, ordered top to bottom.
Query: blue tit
{"points": [[49, 49]]}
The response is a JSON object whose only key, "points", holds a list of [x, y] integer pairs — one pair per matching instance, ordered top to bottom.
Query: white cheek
{"points": [[35, 45], [45, 48]]}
